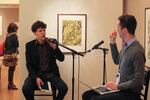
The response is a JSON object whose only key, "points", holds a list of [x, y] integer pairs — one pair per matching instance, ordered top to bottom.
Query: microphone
{"points": [[52, 40], [97, 45], [88, 51]]}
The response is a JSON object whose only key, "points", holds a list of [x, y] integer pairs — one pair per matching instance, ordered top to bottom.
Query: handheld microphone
{"points": [[51, 40], [97, 45]]}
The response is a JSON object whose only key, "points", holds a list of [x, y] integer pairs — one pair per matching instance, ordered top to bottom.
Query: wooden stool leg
{"points": [[54, 94]]}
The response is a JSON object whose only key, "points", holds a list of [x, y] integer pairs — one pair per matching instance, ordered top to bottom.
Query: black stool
{"points": [[48, 92]]}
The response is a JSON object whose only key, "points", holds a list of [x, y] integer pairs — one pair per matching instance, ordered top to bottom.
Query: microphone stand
{"points": [[105, 51], [73, 55]]}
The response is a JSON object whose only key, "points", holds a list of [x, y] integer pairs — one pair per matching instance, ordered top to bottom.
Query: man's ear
{"points": [[125, 30]]}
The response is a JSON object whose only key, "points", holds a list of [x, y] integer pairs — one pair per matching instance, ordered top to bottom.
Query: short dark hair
{"points": [[129, 22], [38, 24], [12, 27]]}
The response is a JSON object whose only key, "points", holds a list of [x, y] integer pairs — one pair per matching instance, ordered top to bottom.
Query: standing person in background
{"points": [[10, 53], [131, 60]]}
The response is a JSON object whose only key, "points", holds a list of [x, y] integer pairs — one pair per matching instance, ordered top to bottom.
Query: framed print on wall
{"points": [[71, 31], [147, 36]]}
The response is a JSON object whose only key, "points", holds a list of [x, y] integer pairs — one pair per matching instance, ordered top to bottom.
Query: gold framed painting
{"points": [[71, 31]]}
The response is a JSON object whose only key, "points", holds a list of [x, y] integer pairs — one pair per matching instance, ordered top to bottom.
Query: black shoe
{"points": [[12, 87]]}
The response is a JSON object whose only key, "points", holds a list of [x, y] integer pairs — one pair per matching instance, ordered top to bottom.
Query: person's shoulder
{"points": [[12, 35], [32, 42], [137, 48]]}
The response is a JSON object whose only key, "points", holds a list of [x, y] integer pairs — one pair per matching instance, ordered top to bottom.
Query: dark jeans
{"points": [[11, 74], [56, 82], [121, 95]]}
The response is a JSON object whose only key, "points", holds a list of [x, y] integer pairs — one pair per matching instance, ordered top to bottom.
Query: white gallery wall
{"points": [[8, 15], [101, 19]]}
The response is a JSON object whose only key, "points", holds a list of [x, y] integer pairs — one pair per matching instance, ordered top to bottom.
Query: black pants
{"points": [[11, 74], [56, 82], [121, 95]]}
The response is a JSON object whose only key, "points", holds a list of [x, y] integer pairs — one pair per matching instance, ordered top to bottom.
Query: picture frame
{"points": [[72, 31], [147, 36]]}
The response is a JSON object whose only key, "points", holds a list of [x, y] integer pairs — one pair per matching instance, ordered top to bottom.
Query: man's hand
{"points": [[113, 36], [53, 45], [39, 82], [111, 85]]}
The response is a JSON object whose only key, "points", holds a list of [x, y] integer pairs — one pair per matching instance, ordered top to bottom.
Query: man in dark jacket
{"points": [[41, 55]]}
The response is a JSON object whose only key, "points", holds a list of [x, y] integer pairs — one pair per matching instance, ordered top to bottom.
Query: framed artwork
{"points": [[0, 25], [71, 31], [147, 36]]}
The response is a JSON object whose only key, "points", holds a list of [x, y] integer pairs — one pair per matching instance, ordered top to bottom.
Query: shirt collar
{"points": [[37, 42], [129, 42]]}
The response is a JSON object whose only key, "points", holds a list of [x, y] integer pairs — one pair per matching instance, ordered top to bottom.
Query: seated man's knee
{"points": [[24, 89], [64, 89], [88, 94], [84, 95]]}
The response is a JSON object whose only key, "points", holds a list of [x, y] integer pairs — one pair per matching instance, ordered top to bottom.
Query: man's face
{"points": [[119, 30], [40, 34]]}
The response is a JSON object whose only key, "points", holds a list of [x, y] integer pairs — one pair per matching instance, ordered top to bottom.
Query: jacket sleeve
{"points": [[16, 42], [114, 53], [58, 54], [29, 61]]}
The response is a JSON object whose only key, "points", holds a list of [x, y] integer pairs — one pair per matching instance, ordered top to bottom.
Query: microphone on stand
{"points": [[52, 40], [97, 45], [88, 51]]}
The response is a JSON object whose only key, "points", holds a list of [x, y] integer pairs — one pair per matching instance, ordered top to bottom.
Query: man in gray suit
{"points": [[131, 60]]}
